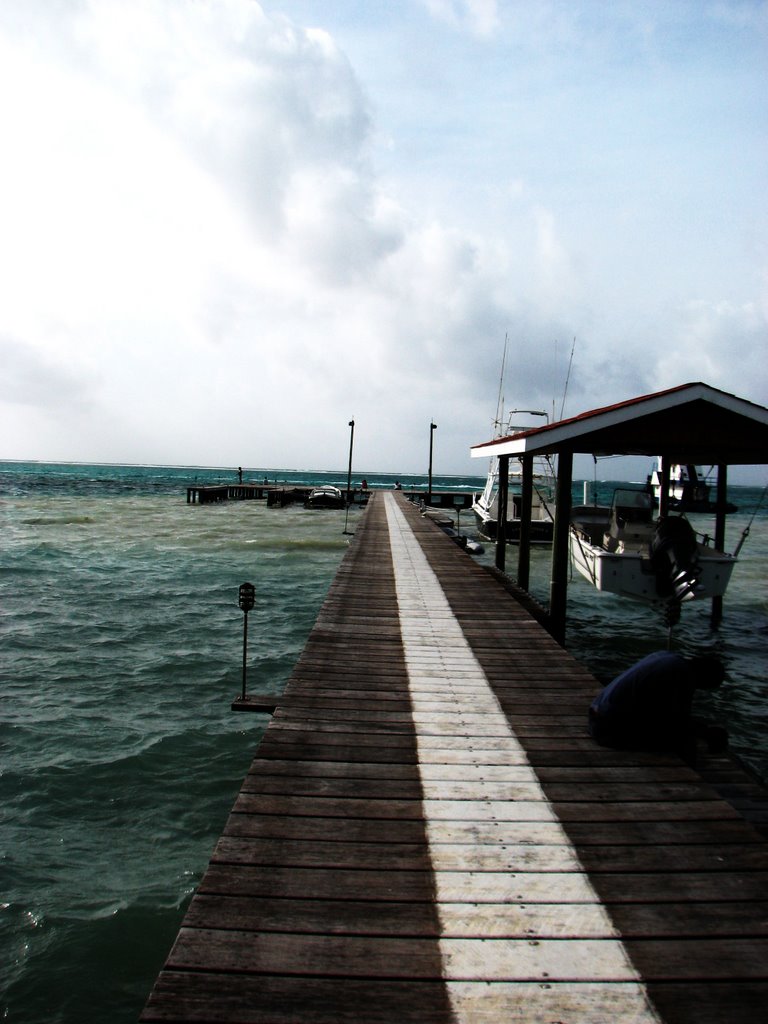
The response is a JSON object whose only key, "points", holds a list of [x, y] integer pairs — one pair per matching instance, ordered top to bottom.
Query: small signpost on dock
{"points": [[432, 429], [349, 472], [246, 600], [263, 702]]}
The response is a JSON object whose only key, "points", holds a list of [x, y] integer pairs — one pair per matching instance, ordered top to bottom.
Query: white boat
{"points": [[689, 489], [326, 496], [486, 505], [625, 551]]}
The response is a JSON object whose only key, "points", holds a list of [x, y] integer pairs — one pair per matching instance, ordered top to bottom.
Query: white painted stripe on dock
{"points": [[547, 931]]}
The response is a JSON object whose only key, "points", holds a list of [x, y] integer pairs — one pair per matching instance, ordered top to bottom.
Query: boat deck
{"points": [[427, 833]]}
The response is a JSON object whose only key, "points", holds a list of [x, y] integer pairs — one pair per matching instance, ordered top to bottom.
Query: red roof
{"points": [[690, 423]]}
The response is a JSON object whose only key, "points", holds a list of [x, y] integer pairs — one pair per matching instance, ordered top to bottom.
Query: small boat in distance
{"points": [[326, 496], [623, 550]]}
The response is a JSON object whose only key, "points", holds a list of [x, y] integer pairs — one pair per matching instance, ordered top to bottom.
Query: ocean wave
{"points": [[54, 521], [97, 968]]}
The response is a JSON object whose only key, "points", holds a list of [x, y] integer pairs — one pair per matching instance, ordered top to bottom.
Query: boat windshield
{"points": [[632, 506]]}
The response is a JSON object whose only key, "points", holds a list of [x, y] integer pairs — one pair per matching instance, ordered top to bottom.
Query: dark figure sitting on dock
{"points": [[648, 707]]}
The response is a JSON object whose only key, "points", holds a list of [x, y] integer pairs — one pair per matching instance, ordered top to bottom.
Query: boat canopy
{"points": [[689, 424]]}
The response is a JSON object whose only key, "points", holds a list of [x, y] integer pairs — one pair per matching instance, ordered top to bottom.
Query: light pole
{"points": [[432, 429], [349, 472], [246, 599]]}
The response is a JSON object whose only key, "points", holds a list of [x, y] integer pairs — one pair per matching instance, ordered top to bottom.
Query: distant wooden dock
{"points": [[291, 493], [427, 833]]}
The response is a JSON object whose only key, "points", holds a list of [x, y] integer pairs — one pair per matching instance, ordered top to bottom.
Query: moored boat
{"points": [[689, 489], [326, 496], [542, 515], [622, 549]]}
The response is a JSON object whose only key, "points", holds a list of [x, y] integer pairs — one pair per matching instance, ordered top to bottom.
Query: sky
{"points": [[229, 227]]}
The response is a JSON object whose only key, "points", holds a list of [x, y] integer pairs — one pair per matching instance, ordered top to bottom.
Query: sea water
{"points": [[121, 650]]}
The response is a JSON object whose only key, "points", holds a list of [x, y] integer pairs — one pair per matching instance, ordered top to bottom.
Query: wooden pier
{"points": [[207, 494], [291, 494], [428, 834]]}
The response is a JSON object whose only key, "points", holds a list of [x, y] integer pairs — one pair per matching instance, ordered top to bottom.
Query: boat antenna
{"points": [[567, 377], [500, 399], [554, 407], [746, 530]]}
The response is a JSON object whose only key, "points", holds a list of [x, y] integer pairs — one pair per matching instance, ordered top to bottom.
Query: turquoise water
{"points": [[121, 646]]}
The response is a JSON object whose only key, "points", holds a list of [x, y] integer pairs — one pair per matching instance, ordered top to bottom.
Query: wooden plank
{"points": [[518, 786], [585, 835], [538, 846], [395, 856], [555, 887], [417, 918], [408, 919], [406, 959], [735, 959], [265, 999], [268, 999], [710, 1001]]}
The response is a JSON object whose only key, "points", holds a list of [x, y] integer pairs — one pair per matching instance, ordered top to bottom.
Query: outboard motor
{"points": [[674, 557]]}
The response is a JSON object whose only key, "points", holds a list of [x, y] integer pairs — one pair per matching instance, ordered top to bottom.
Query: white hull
{"points": [[486, 508], [624, 551], [630, 574]]}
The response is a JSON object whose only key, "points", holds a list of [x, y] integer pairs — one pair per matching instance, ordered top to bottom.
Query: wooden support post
{"points": [[663, 486], [502, 501], [526, 501], [722, 501], [558, 588]]}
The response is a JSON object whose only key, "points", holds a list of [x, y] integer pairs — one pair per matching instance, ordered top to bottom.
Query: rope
{"points": [[747, 528]]}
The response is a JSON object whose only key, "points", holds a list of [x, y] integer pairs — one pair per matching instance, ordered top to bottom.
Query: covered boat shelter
{"points": [[689, 424]]}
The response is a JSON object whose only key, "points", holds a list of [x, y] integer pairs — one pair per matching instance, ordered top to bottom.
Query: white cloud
{"points": [[481, 17], [197, 236], [718, 341]]}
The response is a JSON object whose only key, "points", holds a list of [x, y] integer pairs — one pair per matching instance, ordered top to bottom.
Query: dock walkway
{"points": [[428, 834]]}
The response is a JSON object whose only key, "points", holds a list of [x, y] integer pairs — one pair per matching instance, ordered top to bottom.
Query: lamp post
{"points": [[432, 429], [349, 472], [246, 600]]}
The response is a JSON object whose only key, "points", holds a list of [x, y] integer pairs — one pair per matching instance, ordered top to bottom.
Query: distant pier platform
{"points": [[206, 494], [277, 494], [428, 834]]}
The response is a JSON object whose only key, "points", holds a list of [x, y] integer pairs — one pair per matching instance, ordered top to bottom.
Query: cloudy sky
{"points": [[227, 227]]}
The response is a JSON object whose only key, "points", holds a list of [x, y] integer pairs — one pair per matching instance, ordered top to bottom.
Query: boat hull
{"points": [[541, 530], [631, 574]]}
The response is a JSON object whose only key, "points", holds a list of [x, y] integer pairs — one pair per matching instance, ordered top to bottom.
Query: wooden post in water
{"points": [[432, 429], [664, 469], [349, 472], [502, 498], [722, 500], [526, 501], [558, 587]]}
